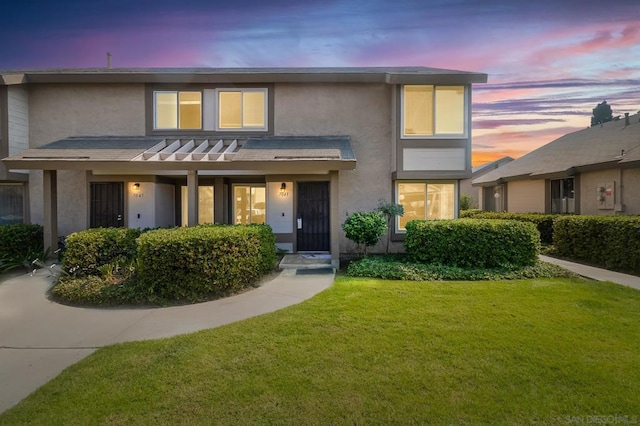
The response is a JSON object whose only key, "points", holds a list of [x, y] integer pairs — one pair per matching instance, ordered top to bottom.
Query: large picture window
{"points": [[242, 109], [177, 110], [433, 111], [425, 201], [249, 204]]}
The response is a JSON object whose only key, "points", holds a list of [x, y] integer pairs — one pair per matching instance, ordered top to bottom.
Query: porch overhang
{"points": [[135, 154]]}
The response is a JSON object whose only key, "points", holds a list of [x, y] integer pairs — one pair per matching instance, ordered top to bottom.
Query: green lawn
{"points": [[545, 351]]}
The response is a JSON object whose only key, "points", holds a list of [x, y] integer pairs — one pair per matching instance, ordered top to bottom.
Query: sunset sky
{"points": [[549, 62]]}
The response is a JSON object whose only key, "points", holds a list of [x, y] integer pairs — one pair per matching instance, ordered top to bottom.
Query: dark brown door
{"points": [[107, 205], [313, 216]]}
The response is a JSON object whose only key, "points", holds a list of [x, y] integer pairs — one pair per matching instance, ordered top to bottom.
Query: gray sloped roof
{"points": [[589, 148], [189, 153], [487, 167]]}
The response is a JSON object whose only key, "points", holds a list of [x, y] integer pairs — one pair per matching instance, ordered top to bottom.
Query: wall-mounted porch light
{"points": [[136, 186], [283, 190]]}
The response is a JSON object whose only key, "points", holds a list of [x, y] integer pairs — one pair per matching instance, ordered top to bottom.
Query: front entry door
{"points": [[107, 205], [313, 216]]}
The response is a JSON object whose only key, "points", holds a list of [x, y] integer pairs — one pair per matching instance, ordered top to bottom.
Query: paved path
{"points": [[596, 273], [40, 338]]}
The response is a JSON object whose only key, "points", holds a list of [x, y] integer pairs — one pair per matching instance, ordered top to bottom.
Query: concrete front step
{"points": [[306, 261]]}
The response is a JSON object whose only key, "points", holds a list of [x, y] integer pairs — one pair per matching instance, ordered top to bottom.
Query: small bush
{"points": [[466, 202], [544, 222], [365, 229], [611, 242], [473, 243], [19, 245], [86, 251], [200, 262], [399, 268], [96, 291]]}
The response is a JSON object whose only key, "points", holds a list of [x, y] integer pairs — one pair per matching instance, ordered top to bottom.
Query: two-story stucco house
{"points": [[296, 148]]}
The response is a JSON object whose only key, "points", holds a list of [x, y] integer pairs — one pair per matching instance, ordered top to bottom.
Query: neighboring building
{"points": [[296, 148], [595, 171], [466, 187]]}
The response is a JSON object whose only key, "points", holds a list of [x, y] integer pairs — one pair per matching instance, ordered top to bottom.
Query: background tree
{"points": [[601, 114]]}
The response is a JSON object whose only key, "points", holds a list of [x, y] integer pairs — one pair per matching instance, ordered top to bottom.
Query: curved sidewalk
{"points": [[40, 338]]}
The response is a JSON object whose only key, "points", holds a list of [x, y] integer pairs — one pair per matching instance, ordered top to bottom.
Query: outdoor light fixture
{"points": [[136, 186], [283, 190], [496, 195]]}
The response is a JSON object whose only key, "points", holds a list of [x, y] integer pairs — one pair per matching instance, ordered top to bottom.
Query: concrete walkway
{"points": [[596, 273], [40, 338]]}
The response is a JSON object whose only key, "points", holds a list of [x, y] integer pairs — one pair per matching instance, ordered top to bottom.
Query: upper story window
{"points": [[241, 109], [177, 110], [429, 111]]}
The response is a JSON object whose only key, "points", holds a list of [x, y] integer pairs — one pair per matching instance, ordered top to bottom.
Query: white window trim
{"points": [[177, 92], [242, 129], [462, 135], [456, 198]]}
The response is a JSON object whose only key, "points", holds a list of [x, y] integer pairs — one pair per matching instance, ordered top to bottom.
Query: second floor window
{"points": [[242, 109], [177, 110], [429, 111]]}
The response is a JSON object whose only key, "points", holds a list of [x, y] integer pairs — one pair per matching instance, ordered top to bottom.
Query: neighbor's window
{"points": [[242, 109], [177, 110], [432, 110], [563, 196], [423, 201], [249, 203], [11, 204], [205, 205]]}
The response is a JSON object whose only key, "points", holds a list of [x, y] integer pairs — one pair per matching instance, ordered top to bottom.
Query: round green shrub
{"points": [[365, 228], [200, 262]]}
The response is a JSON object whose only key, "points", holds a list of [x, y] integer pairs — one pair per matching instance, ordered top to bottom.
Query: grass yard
{"points": [[545, 351]]}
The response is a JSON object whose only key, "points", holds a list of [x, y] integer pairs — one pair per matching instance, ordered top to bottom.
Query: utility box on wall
{"points": [[606, 195]]}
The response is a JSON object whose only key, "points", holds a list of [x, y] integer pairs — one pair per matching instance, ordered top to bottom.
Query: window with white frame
{"points": [[241, 109], [177, 110], [429, 111], [425, 201], [249, 204]]}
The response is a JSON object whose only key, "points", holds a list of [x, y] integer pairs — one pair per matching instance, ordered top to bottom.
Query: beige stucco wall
{"points": [[60, 111], [362, 111], [627, 191], [631, 191], [526, 196]]}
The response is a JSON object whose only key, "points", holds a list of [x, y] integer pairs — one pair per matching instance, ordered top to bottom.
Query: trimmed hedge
{"points": [[544, 222], [20, 238], [612, 242], [473, 243], [86, 251], [199, 262]]}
